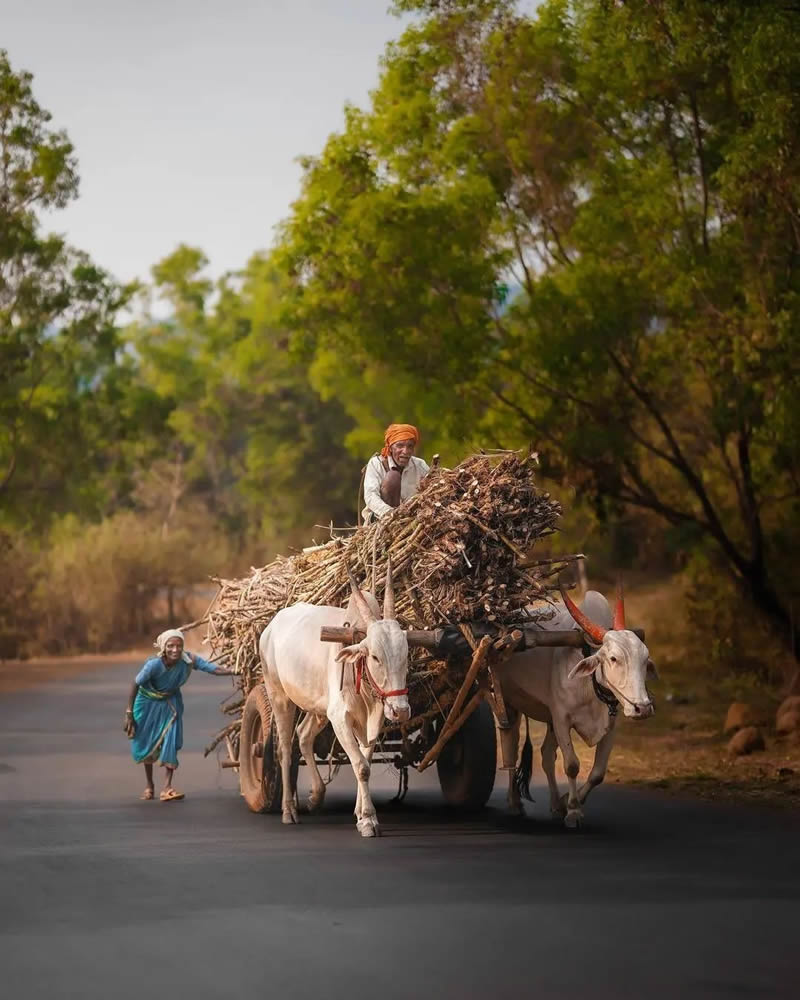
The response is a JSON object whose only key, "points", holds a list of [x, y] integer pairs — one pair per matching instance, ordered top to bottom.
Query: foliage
{"points": [[634, 167], [57, 335], [254, 441], [107, 584], [736, 644]]}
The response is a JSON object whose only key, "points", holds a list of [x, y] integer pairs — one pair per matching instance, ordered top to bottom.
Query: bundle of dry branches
{"points": [[460, 551]]}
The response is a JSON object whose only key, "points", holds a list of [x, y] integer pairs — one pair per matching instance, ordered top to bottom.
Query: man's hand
{"points": [[390, 487]]}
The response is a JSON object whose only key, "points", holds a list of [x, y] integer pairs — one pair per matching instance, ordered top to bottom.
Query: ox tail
{"points": [[523, 772]]}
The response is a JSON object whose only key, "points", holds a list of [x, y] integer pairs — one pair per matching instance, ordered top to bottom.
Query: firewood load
{"points": [[462, 550]]}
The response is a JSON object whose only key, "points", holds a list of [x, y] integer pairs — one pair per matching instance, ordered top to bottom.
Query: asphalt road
{"points": [[104, 896]]}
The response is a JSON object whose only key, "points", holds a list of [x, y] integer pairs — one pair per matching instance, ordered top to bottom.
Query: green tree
{"points": [[634, 168], [57, 333], [254, 442]]}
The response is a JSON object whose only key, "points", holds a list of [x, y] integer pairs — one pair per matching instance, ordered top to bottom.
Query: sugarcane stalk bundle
{"points": [[461, 551]]}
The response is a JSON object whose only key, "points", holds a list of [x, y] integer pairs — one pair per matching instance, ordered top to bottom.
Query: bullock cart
{"points": [[471, 587]]}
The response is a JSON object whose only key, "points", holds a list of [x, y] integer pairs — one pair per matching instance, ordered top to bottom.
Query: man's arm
{"points": [[372, 488]]}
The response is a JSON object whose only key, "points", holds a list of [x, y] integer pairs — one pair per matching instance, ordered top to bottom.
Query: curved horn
{"points": [[388, 594], [363, 608], [619, 610], [595, 632]]}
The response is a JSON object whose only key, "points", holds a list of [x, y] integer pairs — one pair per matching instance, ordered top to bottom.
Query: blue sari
{"points": [[158, 709]]}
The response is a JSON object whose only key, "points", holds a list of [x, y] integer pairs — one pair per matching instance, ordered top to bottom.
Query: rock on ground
{"points": [[792, 702], [740, 715], [788, 721], [746, 741]]}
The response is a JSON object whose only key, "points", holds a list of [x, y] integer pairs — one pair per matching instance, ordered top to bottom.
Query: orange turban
{"points": [[398, 432]]}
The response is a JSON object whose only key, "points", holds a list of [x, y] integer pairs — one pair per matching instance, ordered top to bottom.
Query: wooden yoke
{"points": [[346, 634], [433, 638]]}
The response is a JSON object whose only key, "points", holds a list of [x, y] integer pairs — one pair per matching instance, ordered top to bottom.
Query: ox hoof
{"points": [[315, 802], [289, 817], [573, 819], [368, 828]]}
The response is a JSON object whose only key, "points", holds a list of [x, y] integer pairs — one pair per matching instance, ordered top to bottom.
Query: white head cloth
{"points": [[163, 639]]}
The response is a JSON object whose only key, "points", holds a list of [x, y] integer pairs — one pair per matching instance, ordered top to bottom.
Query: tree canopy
{"points": [[634, 169]]}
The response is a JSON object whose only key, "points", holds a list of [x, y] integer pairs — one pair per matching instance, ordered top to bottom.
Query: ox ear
{"points": [[350, 652], [584, 667], [651, 669]]}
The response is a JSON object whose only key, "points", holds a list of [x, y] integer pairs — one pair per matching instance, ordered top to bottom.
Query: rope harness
{"points": [[362, 670], [602, 693], [607, 697]]}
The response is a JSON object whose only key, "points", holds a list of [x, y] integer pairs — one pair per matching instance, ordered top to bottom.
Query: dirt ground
{"points": [[682, 749]]}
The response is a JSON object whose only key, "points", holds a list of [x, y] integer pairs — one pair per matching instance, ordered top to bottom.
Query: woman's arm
{"points": [[210, 668], [130, 725]]}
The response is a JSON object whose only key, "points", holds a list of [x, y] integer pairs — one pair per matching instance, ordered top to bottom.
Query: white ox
{"points": [[352, 687], [567, 690]]}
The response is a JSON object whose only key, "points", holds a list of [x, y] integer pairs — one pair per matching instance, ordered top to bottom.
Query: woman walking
{"points": [[154, 716]]}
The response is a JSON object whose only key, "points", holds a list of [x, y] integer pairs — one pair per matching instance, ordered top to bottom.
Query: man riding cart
{"points": [[395, 474]]}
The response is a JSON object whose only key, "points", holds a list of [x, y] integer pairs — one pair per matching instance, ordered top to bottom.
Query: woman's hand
{"points": [[130, 725]]}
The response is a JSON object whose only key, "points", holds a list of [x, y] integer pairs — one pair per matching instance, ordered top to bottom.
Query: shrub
{"points": [[102, 586], [735, 639]]}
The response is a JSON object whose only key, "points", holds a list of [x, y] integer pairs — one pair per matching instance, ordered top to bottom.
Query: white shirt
{"points": [[411, 477]]}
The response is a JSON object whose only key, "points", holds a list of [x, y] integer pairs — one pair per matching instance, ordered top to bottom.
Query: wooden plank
{"points": [[433, 754]]}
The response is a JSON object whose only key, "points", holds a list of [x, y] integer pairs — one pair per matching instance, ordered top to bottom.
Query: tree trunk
{"points": [[765, 598]]}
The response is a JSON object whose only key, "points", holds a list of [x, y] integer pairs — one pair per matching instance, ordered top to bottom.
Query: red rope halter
{"points": [[361, 669]]}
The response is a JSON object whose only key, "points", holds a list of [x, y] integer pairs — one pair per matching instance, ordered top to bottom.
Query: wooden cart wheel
{"points": [[259, 763], [467, 764]]}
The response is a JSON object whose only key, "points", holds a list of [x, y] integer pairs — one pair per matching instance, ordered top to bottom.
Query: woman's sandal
{"points": [[146, 795], [170, 795]]}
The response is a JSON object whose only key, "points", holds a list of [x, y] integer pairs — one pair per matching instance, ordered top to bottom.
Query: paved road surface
{"points": [[103, 896]]}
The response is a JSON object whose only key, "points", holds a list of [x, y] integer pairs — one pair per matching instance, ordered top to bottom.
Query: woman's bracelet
{"points": [[128, 711]]}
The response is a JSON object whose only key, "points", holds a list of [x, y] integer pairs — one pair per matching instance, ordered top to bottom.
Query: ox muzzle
{"points": [[397, 709], [638, 710]]}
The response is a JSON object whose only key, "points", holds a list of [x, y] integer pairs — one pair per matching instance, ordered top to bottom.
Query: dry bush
{"points": [[102, 586], [17, 611], [734, 638]]}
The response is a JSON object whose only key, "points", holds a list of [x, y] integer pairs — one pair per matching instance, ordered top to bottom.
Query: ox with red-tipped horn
{"points": [[363, 608], [619, 609], [594, 631]]}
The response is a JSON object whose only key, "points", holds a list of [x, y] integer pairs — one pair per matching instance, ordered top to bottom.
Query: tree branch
{"points": [[698, 135], [673, 155], [753, 518], [714, 524]]}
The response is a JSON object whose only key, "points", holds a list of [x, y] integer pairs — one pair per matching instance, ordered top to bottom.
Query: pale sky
{"points": [[187, 115]]}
